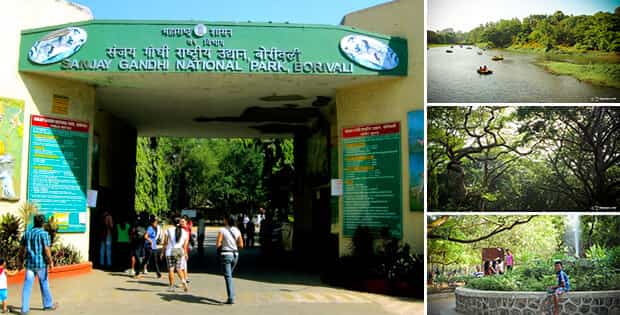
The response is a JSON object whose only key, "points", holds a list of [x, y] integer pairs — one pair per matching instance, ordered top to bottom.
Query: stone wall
{"points": [[478, 302]]}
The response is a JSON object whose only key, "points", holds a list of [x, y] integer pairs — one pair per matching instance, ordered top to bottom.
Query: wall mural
{"points": [[415, 121], [11, 136]]}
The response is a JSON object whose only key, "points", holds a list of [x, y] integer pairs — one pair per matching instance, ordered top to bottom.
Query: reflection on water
{"points": [[452, 78]]}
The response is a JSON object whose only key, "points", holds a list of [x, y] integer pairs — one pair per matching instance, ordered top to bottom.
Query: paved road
{"points": [[260, 290], [441, 304]]}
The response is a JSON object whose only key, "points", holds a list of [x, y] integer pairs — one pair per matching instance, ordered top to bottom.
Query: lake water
{"points": [[452, 78]]}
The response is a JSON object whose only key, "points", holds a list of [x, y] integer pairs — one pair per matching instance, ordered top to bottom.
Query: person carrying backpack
{"points": [[150, 246], [137, 248]]}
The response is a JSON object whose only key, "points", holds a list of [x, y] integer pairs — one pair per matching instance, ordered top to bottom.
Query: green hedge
{"points": [[599, 272]]}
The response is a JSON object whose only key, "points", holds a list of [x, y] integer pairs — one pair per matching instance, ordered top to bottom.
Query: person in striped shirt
{"points": [[37, 257]]}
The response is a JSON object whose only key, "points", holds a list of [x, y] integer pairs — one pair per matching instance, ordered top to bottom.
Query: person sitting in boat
{"points": [[484, 68]]}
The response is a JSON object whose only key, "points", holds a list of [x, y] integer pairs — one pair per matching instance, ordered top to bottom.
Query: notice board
{"points": [[58, 170], [372, 186]]}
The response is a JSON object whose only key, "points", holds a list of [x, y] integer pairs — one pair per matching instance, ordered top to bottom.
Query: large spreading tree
{"points": [[523, 158]]}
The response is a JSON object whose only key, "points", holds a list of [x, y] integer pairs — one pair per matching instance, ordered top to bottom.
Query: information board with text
{"points": [[58, 170], [372, 178]]}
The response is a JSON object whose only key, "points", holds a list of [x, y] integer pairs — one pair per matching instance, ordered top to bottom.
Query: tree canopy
{"points": [[600, 31], [523, 158], [229, 174], [459, 240]]}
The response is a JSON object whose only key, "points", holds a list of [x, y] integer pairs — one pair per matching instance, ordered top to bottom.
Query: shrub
{"points": [[27, 211], [10, 230], [10, 236], [362, 243], [65, 255], [614, 257], [585, 274], [506, 282]]}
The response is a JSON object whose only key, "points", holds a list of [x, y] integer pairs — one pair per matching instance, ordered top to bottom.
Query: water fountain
{"points": [[574, 230]]}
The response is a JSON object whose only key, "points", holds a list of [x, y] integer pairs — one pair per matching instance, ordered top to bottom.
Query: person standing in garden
{"points": [[36, 254], [509, 260], [562, 287]]}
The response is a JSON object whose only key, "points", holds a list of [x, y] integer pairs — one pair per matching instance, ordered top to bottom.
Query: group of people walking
{"points": [[148, 246]]}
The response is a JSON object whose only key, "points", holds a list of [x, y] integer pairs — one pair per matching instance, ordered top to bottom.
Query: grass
{"points": [[437, 45], [567, 52], [595, 67], [598, 74]]}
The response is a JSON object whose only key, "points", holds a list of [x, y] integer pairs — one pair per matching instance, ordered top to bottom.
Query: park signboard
{"points": [[202, 47], [58, 170], [372, 187]]}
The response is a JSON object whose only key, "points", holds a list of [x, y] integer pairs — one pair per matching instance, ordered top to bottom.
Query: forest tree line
{"points": [[600, 32], [227, 174]]}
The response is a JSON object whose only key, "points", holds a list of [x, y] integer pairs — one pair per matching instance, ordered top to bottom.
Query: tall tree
{"points": [[584, 151]]}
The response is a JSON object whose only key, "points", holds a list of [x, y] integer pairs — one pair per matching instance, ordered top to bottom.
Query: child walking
{"points": [[4, 293]]}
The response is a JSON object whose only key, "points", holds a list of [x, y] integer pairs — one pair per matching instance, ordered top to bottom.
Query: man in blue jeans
{"points": [[37, 256]]}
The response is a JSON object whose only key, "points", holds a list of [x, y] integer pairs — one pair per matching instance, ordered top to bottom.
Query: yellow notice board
{"points": [[60, 105], [11, 137], [62, 219]]}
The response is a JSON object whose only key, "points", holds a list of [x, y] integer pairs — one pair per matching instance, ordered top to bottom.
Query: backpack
{"points": [[139, 234], [159, 236]]}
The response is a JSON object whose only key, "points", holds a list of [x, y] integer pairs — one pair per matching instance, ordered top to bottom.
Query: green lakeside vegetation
{"points": [[437, 45], [586, 47], [598, 74]]}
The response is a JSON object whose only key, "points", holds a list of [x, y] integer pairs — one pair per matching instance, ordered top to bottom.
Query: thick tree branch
{"points": [[484, 237]]}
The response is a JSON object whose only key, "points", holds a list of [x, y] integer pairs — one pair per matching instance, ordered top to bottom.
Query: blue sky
{"points": [[294, 11], [466, 15]]}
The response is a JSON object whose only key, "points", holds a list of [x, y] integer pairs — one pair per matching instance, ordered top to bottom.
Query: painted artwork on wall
{"points": [[415, 121], [11, 136]]}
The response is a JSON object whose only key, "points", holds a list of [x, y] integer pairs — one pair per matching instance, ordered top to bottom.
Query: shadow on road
{"points": [[278, 268], [188, 298]]}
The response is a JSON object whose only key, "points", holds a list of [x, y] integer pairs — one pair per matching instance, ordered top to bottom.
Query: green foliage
{"points": [[600, 31], [447, 36], [599, 74], [525, 158], [227, 174], [27, 211], [10, 227], [52, 229], [602, 230], [10, 231], [10, 236], [530, 241], [362, 243], [596, 252], [65, 255], [613, 256], [393, 262], [397, 262], [585, 274], [507, 282]]}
